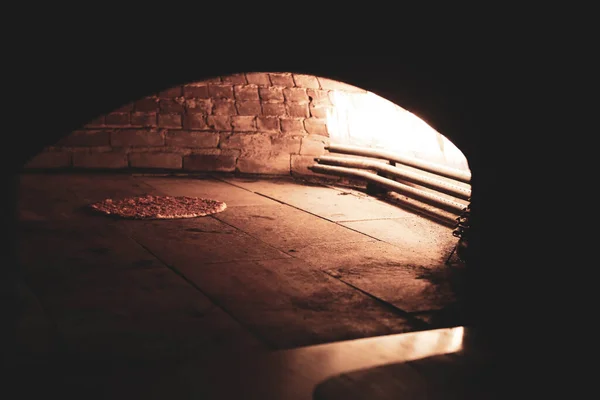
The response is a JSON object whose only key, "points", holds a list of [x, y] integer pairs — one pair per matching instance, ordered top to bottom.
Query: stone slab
{"points": [[207, 188], [66, 196], [334, 205], [286, 227], [411, 233], [200, 241], [402, 278], [110, 298], [291, 304], [142, 314]]}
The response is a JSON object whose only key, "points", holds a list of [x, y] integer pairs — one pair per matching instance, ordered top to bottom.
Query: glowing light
{"points": [[370, 120], [458, 336], [350, 355]]}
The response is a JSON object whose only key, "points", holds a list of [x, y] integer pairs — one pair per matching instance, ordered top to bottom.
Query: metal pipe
{"points": [[411, 162], [392, 185], [440, 186], [431, 213]]}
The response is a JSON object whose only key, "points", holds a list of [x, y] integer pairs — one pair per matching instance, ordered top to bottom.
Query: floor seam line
{"points": [[321, 217], [251, 235], [417, 323], [264, 341]]}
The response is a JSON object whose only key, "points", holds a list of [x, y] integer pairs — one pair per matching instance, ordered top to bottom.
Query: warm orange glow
{"points": [[367, 119], [400, 348], [341, 357], [302, 369]]}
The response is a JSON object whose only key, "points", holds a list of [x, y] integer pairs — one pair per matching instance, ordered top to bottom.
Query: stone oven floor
{"points": [[285, 265]]}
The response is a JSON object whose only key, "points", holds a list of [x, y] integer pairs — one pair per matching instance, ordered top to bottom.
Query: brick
{"points": [[258, 78], [214, 79], [235, 79], [281, 79], [306, 81], [330, 84], [175, 91], [221, 91], [197, 92], [246, 92], [271, 93], [295, 94], [319, 97], [148, 104], [170, 106], [203, 106], [224, 107], [251, 107], [125, 108], [273, 109], [299, 110], [320, 111], [117, 119], [144, 119], [169, 120], [96, 122], [195, 122], [219, 122], [243, 123], [267, 124], [292, 125], [315, 126], [137, 137], [86, 138], [200, 140], [249, 144], [285, 145], [314, 145], [82, 149], [50, 159], [100, 160], [156, 160], [221, 162], [300, 164], [265, 165]]}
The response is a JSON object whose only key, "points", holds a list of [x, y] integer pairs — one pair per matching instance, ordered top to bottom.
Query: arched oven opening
{"points": [[347, 218]]}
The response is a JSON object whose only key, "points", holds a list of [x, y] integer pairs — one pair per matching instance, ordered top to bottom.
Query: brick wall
{"points": [[255, 123]]}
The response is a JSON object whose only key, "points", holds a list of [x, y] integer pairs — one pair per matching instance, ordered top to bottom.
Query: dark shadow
{"points": [[454, 376]]}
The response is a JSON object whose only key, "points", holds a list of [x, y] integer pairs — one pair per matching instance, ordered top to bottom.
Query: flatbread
{"points": [[159, 207]]}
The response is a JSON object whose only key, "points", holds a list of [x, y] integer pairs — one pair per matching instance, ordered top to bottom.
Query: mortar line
{"points": [[412, 208], [300, 209], [321, 217], [252, 236], [387, 305], [411, 319], [417, 323], [264, 341]]}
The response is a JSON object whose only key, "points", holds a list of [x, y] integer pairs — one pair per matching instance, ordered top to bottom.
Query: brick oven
{"points": [[248, 123], [164, 132]]}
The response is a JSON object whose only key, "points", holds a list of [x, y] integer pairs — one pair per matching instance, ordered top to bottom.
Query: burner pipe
{"points": [[411, 162], [392, 185], [440, 186]]}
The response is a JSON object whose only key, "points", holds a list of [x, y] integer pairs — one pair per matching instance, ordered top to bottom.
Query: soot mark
{"points": [[263, 217], [206, 231]]}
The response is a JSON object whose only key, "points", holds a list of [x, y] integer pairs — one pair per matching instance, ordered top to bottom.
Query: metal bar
{"points": [[411, 162], [389, 184], [447, 188]]}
